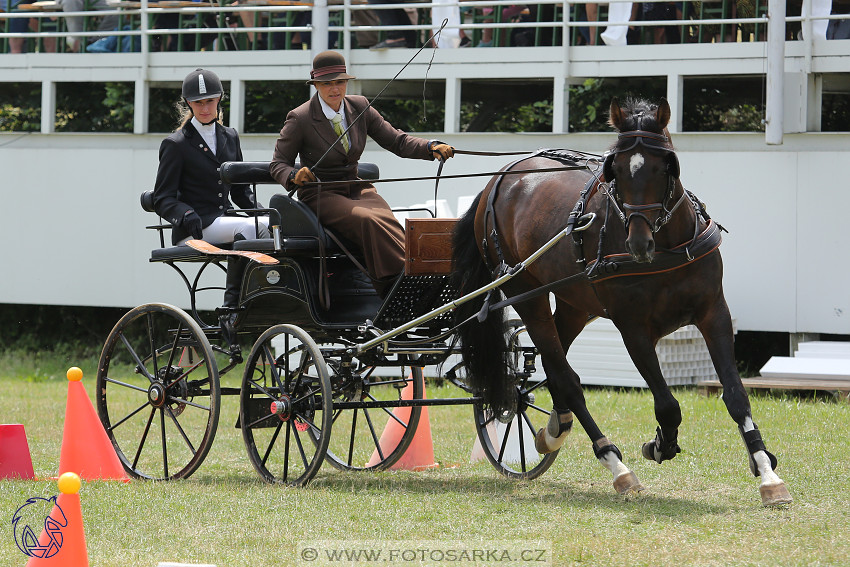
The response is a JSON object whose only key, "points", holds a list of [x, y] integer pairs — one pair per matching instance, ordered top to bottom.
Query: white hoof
{"points": [[628, 483], [775, 494]]}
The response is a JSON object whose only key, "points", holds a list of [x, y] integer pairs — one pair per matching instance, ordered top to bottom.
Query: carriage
{"points": [[328, 354], [331, 355]]}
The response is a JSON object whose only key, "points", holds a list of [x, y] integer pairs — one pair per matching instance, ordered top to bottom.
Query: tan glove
{"points": [[442, 151], [304, 175]]}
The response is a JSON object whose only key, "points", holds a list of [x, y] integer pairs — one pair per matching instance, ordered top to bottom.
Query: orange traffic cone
{"points": [[86, 449], [420, 453], [15, 460], [63, 541]]}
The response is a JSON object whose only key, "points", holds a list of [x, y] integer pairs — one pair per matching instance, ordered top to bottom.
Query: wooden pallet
{"points": [[838, 388]]}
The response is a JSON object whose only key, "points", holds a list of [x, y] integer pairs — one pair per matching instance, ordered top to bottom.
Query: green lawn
{"points": [[702, 508]]}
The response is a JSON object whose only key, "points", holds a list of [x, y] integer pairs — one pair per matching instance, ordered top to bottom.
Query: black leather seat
{"points": [[301, 233]]}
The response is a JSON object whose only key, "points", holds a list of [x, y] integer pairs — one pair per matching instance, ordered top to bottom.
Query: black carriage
{"points": [[329, 354]]}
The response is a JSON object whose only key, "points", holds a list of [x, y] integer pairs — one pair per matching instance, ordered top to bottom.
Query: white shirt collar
{"points": [[330, 112], [207, 132]]}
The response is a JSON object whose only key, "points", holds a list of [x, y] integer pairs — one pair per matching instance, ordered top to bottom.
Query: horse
{"points": [[657, 267]]}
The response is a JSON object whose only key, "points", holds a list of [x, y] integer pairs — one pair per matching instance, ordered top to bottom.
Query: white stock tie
{"points": [[337, 121]]}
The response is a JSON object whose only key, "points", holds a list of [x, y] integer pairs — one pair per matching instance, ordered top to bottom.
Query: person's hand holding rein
{"points": [[441, 151], [302, 176], [192, 224]]}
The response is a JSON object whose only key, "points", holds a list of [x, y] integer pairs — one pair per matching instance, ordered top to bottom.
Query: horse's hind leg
{"points": [[716, 329], [552, 336]]}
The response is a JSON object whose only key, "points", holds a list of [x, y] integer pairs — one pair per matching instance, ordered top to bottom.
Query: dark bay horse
{"points": [[649, 262]]}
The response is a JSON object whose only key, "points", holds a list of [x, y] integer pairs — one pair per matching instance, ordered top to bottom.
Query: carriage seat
{"points": [[300, 228], [301, 233], [181, 253]]}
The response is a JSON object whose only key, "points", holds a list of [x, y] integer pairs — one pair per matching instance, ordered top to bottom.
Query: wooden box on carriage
{"points": [[428, 246]]}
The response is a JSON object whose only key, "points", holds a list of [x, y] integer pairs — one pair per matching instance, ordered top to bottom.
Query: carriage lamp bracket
{"points": [[276, 237], [528, 361]]}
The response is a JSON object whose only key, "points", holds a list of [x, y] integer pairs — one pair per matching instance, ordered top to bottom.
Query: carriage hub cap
{"points": [[156, 395], [282, 408]]}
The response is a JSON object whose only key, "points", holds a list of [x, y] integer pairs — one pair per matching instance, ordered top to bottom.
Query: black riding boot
{"points": [[230, 308]]}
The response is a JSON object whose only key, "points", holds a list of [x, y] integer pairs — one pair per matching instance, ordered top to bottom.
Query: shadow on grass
{"points": [[474, 484]]}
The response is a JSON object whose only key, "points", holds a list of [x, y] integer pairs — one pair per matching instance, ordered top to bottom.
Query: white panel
{"points": [[752, 194], [73, 230], [823, 285], [803, 368]]}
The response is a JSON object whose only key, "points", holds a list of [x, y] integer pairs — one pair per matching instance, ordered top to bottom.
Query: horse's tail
{"points": [[482, 344]]}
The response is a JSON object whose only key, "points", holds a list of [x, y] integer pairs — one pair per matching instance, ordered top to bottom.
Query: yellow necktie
{"points": [[337, 120]]}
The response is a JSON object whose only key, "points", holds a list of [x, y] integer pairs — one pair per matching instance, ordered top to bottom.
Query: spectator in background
{"points": [[659, 11], [617, 12], [395, 17], [75, 23], [16, 25], [23, 25]]}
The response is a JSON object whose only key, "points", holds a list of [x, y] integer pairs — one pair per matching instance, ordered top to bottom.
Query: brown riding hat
{"points": [[328, 66]]}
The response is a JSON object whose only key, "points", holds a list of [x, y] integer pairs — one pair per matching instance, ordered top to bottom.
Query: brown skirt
{"points": [[356, 212]]}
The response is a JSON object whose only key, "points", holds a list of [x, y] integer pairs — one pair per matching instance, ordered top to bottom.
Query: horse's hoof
{"points": [[540, 442], [543, 442], [648, 451], [627, 483], [775, 494]]}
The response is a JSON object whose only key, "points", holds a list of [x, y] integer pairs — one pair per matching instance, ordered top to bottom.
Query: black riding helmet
{"points": [[201, 84]]}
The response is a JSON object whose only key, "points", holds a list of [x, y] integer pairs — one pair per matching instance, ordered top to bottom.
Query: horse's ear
{"points": [[615, 114], [662, 115], [672, 165], [608, 168]]}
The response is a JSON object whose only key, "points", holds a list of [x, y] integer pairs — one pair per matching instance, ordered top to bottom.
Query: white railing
{"points": [[145, 11], [562, 63]]}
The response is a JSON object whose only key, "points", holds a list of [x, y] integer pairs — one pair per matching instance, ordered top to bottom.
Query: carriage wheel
{"points": [[158, 392], [285, 408], [508, 439], [357, 444]]}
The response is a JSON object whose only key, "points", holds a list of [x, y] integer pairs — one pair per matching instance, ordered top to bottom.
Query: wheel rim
{"points": [[158, 393], [285, 406], [359, 431]]}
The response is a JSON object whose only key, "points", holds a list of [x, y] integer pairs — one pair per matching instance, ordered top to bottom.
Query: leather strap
{"points": [[620, 265]]}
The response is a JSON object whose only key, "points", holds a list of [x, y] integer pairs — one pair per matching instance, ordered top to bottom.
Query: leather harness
{"points": [[603, 267]]}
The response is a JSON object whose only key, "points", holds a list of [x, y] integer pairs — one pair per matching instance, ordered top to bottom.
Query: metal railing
{"points": [[218, 28]]}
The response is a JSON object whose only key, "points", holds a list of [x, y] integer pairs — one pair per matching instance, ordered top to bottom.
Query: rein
{"points": [[453, 176]]}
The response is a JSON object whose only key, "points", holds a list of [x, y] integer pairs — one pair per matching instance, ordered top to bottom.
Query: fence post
{"points": [[321, 22], [48, 107], [774, 123]]}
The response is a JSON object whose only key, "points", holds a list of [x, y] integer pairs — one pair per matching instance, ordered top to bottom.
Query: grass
{"points": [[702, 508]]}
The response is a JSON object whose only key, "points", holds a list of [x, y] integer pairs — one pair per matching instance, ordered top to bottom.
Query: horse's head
{"points": [[641, 169]]}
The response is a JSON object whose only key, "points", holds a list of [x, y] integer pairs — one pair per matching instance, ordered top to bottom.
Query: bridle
{"points": [[609, 186]]}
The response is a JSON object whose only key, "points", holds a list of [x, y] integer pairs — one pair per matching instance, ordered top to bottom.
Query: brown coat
{"points": [[354, 211]]}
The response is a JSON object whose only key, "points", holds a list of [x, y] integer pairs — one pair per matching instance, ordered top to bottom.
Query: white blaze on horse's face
{"points": [[635, 163]]}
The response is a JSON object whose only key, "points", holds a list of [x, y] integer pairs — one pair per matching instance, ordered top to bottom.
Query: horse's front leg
{"points": [[716, 329], [552, 336], [668, 414]]}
